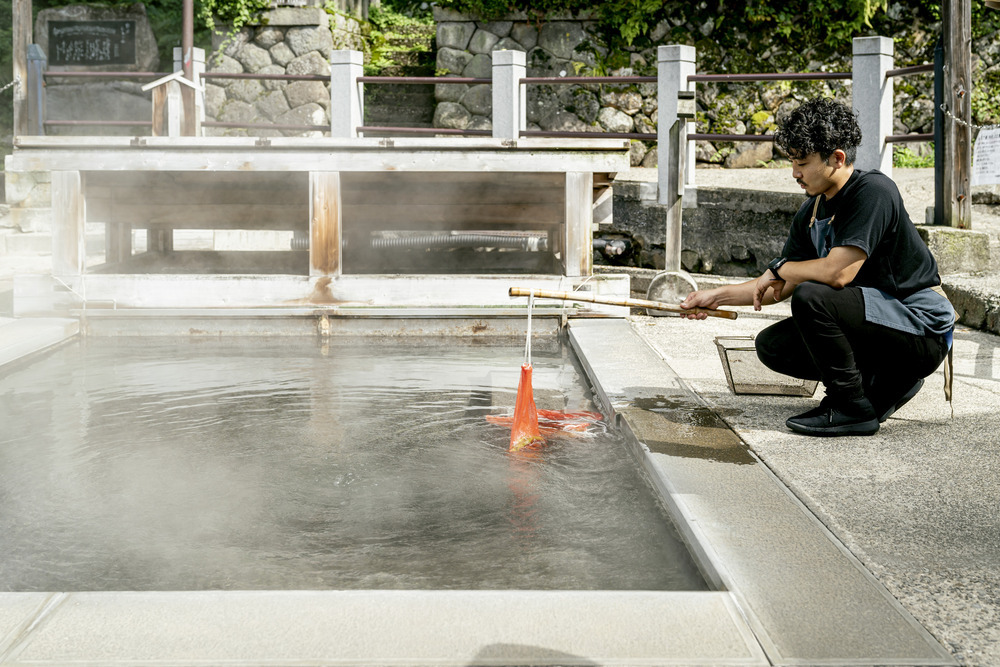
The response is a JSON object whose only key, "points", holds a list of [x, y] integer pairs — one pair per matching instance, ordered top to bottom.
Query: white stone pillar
{"points": [[675, 63], [347, 94], [872, 95], [509, 104]]}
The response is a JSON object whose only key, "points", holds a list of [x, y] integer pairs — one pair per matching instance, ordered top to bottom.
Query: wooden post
{"points": [[21, 29], [956, 29], [36, 90], [325, 211], [68, 217], [578, 253]]}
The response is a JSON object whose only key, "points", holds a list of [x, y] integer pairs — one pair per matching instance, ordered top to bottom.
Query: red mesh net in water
{"points": [[524, 430]]}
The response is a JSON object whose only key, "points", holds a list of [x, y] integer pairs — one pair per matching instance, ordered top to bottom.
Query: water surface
{"points": [[255, 463]]}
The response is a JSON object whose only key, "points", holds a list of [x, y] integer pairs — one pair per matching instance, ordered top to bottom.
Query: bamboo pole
{"points": [[613, 301]]}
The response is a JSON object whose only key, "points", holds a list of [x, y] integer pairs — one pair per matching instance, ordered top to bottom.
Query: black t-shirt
{"points": [[867, 213]]}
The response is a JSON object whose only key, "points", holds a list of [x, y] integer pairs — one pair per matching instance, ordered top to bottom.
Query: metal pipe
{"points": [[187, 39], [915, 69], [104, 75], [777, 76], [265, 77], [421, 79], [589, 79], [424, 130], [589, 135], [730, 137], [903, 138], [462, 240]]}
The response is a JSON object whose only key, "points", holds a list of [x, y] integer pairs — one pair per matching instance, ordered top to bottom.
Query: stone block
{"points": [[295, 16], [498, 28], [455, 34], [526, 34], [267, 36], [560, 38], [303, 40], [483, 42], [281, 54], [253, 58], [453, 61], [310, 63], [224, 64], [480, 67], [273, 84], [246, 90], [304, 92], [450, 92], [215, 97], [479, 100], [272, 104], [236, 111], [307, 114], [452, 115], [614, 120], [747, 154], [18, 185], [31, 219], [957, 250]]}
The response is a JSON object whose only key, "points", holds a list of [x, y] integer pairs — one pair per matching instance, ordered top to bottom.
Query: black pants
{"points": [[827, 339]]}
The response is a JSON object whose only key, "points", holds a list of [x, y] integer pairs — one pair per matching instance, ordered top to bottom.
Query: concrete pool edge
{"points": [[778, 596], [807, 599], [378, 627]]}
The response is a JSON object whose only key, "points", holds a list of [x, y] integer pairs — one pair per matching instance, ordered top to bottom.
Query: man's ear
{"points": [[839, 158]]}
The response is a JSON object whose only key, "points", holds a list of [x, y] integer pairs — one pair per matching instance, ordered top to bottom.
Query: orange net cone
{"points": [[524, 431]]}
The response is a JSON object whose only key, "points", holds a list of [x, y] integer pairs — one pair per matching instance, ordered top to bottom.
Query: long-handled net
{"points": [[529, 426], [524, 430]]}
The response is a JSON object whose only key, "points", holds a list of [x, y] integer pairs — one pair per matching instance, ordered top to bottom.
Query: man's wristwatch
{"points": [[776, 264]]}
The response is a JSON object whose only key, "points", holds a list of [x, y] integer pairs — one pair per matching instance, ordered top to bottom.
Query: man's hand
{"points": [[765, 282], [699, 299]]}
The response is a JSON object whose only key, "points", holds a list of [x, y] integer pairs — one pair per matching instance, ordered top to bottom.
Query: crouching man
{"points": [[868, 317]]}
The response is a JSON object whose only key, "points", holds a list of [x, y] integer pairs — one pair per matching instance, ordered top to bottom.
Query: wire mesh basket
{"points": [[747, 375]]}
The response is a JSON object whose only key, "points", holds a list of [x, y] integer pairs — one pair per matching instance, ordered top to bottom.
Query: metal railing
{"points": [[509, 112]]}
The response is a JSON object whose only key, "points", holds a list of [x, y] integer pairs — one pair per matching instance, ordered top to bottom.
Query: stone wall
{"points": [[289, 40], [563, 46], [567, 46]]}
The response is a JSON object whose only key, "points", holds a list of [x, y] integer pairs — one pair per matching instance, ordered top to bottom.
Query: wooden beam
{"points": [[956, 28], [22, 29], [68, 216], [324, 224], [578, 253]]}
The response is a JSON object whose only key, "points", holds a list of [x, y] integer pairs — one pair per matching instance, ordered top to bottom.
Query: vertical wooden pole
{"points": [[21, 30], [956, 30], [672, 198], [68, 216], [325, 230], [578, 253]]}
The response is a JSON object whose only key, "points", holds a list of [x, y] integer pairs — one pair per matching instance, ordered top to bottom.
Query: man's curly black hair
{"points": [[820, 125]]}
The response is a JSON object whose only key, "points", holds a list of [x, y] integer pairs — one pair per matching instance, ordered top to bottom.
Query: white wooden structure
{"points": [[163, 184]]}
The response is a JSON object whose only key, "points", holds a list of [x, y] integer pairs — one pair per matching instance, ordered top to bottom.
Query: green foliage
{"points": [[230, 16], [386, 24], [903, 157]]}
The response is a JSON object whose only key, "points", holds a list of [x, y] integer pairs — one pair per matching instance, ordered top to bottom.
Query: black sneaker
{"points": [[885, 409], [833, 418]]}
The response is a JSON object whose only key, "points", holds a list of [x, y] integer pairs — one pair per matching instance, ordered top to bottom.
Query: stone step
{"points": [[22, 337]]}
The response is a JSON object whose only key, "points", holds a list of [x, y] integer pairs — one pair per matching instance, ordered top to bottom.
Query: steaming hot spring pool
{"points": [[159, 464]]}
